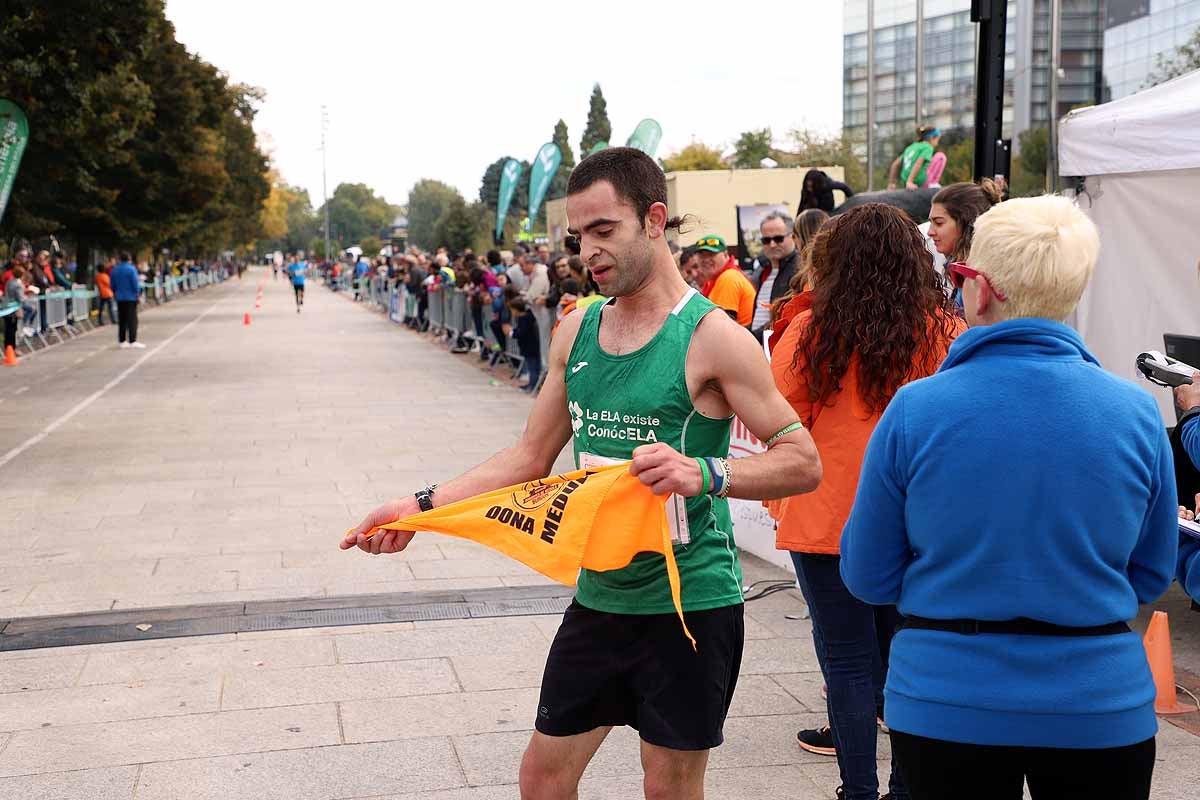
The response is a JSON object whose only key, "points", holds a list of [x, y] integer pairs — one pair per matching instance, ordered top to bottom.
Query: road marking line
{"points": [[96, 395]]}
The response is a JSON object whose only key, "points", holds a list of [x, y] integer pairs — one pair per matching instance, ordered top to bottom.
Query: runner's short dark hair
{"points": [[635, 176]]}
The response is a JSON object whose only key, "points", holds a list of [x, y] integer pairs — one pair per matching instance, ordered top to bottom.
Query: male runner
{"points": [[296, 269], [653, 375]]}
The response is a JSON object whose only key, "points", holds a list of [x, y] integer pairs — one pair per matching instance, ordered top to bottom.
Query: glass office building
{"points": [[1137, 33], [909, 63]]}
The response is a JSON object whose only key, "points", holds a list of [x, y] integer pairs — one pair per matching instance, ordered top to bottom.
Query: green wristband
{"points": [[784, 432], [706, 479]]}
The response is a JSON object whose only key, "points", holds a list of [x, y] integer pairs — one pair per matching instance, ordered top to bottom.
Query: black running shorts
{"points": [[640, 670]]}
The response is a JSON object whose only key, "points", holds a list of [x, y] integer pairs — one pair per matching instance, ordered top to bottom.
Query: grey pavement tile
{"points": [[420, 549], [193, 564], [355, 566], [468, 568], [47, 573], [350, 586], [98, 587], [13, 595], [136, 600], [56, 609], [776, 621], [425, 642], [202, 656], [772, 656], [519, 670], [33, 674], [341, 682], [805, 687], [759, 695], [108, 703], [381, 719], [1173, 736], [169, 738], [765, 741], [495, 758], [320, 773], [827, 778], [783, 782], [109, 783], [509, 791]]}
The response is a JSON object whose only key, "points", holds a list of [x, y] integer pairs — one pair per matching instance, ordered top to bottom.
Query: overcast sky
{"points": [[442, 89]]}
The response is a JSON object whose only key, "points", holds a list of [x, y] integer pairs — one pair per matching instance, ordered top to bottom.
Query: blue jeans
{"points": [[851, 639]]}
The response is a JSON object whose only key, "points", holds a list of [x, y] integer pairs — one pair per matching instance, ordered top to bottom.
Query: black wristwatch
{"points": [[425, 497]]}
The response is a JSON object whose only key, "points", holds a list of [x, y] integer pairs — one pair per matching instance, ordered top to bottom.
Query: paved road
{"points": [[222, 464]]}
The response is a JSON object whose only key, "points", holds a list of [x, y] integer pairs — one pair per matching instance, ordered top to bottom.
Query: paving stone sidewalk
{"points": [[224, 468]]}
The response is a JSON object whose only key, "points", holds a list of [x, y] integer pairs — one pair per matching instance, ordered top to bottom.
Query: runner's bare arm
{"points": [[726, 359], [546, 432]]}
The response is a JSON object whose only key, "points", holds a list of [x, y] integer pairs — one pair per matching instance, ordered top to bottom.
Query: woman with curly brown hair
{"points": [[878, 319]]}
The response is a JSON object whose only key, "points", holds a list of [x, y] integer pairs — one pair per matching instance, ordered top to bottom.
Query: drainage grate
{"points": [[205, 620]]}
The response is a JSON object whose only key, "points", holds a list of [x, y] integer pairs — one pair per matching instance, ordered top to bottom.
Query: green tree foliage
{"points": [[1185, 59], [598, 129], [134, 141], [564, 144], [751, 148], [815, 149], [696, 155], [960, 159], [1029, 167], [427, 201], [355, 213], [458, 226]]}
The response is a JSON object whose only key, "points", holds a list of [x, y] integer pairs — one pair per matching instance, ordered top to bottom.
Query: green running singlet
{"points": [[621, 402]]}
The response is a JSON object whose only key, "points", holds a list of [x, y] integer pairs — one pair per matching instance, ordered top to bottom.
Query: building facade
{"points": [[1137, 34], [909, 63]]}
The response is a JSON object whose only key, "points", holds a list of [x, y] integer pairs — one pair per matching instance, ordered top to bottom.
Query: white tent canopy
{"points": [[1154, 130], [1140, 156]]}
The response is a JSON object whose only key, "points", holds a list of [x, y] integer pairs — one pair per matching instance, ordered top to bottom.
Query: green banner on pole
{"points": [[14, 135], [646, 136], [597, 147], [544, 167], [509, 177]]}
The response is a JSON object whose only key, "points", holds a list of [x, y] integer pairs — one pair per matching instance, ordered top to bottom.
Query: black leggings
{"points": [[127, 320], [10, 330], [938, 770]]}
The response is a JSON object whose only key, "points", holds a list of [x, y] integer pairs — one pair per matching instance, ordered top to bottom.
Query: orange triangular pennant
{"points": [[597, 518]]}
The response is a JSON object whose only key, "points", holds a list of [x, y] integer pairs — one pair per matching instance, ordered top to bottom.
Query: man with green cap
{"points": [[724, 284]]}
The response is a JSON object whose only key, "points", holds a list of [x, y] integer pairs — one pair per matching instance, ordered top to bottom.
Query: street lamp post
{"points": [[1052, 116], [324, 185]]}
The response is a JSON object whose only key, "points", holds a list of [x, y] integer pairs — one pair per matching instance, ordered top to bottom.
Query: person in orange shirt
{"points": [[725, 284], [104, 288], [876, 319]]}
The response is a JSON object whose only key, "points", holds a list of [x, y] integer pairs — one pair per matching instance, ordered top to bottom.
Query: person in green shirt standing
{"points": [[914, 161], [652, 376]]}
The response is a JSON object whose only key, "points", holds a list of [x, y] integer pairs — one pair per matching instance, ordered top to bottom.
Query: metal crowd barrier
{"points": [[81, 306], [55, 309], [437, 310]]}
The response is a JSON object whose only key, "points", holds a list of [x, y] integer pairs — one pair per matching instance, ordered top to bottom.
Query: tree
{"points": [[1185, 59], [598, 129], [564, 145], [751, 148], [813, 149], [696, 155], [960, 160], [1029, 168], [558, 186], [489, 189], [427, 201], [355, 213], [458, 226]]}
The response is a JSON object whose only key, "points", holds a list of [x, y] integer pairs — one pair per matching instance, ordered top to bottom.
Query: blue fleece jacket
{"points": [[124, 280], [1021, 480], [1188, 568]]}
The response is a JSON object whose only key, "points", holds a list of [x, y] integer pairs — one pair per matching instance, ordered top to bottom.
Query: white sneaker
{"points": [[124, 345], [138, 346]]}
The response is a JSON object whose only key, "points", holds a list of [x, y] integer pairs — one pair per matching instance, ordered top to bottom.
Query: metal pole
{"points": [[989, 84], [870, 95], [1052, 113], [920, 114], [324, 186]]}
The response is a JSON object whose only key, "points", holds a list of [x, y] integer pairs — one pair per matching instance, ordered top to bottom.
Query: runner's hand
{"points": [[666, 471], [384, 541]]}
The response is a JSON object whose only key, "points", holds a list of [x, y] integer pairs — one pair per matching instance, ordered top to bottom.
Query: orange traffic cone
{"points": [[246, 319], [10, 356], [1162, 666]]}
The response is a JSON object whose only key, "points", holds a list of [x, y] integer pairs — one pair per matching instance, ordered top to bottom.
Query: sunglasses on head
{"points": [[773, 239], [709, 242], [960, 272]]}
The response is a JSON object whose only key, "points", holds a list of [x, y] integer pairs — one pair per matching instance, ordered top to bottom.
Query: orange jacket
{"points": [[103, 284], [812, 523]]}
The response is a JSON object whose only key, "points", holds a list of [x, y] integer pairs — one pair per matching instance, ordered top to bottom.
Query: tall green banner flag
{"points": [[14, 135], [646, 136], [597, 147], [544, 167], [509, 176]]}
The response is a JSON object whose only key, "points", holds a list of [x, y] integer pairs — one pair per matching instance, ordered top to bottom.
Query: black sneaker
{"points": [[819, 741]]}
